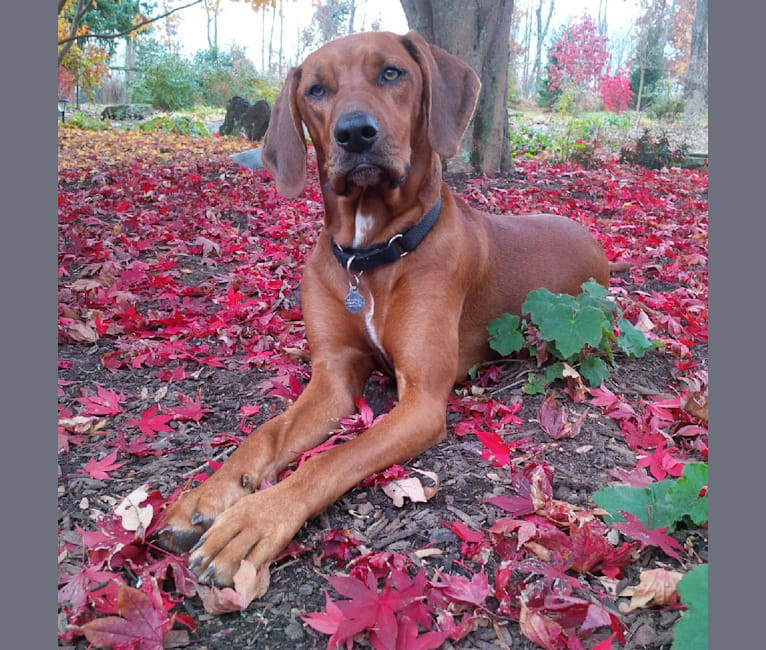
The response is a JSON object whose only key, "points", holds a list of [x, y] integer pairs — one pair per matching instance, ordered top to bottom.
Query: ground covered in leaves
{"points": [[180, 332]]}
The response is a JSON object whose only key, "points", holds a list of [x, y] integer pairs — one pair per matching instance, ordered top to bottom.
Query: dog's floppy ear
{"points": [[450, 91], [284, 148]]}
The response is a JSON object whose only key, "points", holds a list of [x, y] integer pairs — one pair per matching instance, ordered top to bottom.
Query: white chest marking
{"points": [[362, 226], [371, 328]]}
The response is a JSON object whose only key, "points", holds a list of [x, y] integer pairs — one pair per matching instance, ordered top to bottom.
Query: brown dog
{"points": [[381, 110]]}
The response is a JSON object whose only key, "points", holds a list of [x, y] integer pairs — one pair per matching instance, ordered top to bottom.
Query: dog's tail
{"points": [[618, 267]]}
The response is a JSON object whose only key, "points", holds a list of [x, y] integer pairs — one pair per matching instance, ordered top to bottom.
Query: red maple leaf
{"points": [[104, 403], [190, 409], [554, 419], [150, 423], [662, 462], [97, 469], [635, 529], [337, 544], [461, 589], [142, 624]]}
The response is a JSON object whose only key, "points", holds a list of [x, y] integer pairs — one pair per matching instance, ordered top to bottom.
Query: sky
{"points": [[239, 24]]}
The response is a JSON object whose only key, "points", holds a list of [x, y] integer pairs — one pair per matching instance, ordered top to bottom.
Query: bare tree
{"points": [[212, 9], [542, 32], [479, 33], [696, 88]]}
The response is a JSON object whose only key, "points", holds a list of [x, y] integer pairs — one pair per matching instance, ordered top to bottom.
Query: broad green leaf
{"points": [[594, 295], [540, 301], [572, 329], [504, 334], [632, 341], [594, 370], [553, 372], [536, 385], [685, 497], [641, 502], [662, 504], [691, 631]]}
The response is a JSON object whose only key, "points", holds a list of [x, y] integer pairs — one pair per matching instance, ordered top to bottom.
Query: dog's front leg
{"points": [[424, 350], [337, 378]]}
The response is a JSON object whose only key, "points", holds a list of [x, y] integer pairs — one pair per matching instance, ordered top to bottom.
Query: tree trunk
{"points": [[352, 13], [542, 32], [281, 33], [478, 33], [271, 35], [263, 39], [526, 46], [696, 89], [640, 90]]}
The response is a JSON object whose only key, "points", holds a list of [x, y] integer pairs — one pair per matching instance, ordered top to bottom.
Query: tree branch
{"points": [[82, 7], [145, 21]]}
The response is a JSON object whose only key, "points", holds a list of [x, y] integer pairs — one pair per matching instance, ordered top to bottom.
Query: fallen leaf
{"points": [[132, 514], [249, 584], [655, 587], [142, 623]]}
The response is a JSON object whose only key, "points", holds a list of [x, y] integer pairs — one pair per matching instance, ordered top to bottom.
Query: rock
{"points": [[126, 112], [241, 117], [306, 589], [294, 632], [645, 636]]}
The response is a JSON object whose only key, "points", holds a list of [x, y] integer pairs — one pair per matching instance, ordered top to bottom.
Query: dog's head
{"points": [[368, 100]]}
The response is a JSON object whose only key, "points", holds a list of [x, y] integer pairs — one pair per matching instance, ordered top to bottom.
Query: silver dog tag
{"points": [[354, 300]]}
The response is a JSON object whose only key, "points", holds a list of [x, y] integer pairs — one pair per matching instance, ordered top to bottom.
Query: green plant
{"points": [[164, 80], [567, 102], [667, 107], [81, 120], [178, 125], [580, 141], [529, 142], [654, 154], [571, 329], [665, 503], [691, 632]]}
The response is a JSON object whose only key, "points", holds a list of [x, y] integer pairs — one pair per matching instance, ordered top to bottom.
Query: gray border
{"points": [[736, 278], [29, 298], [29, 327]]}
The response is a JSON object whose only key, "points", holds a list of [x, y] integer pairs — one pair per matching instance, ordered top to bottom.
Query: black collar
{"points": [[361, 259]]}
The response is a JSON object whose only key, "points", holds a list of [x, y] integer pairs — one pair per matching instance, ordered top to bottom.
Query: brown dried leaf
{"points": [[249, 584], [655, 587]]}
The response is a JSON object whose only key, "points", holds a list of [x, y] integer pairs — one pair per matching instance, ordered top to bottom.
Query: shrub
{"points": [[652, 79], [164, 80], [615, 92], [667, 107], [80, 120], [178, 125], [529, 142], [654, 154], [571, 329]]}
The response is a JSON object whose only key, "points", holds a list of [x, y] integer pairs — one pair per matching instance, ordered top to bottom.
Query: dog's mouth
{"points": [[365, 171], [365, 175]]}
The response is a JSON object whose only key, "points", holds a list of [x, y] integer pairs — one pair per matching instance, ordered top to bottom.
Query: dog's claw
{"points": [[196, 546], [206, 575]]}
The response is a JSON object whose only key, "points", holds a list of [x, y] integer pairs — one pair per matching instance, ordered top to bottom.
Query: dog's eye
{"points": [[391, 73], [317, 90]]}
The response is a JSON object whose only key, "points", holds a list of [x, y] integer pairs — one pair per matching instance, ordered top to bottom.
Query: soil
{"points": [[580, 467]]}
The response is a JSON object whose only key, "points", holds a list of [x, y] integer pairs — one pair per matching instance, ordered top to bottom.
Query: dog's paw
{"points": [[190, 516], [255, 529]]}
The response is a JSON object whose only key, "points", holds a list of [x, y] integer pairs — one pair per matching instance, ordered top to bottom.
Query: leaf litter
{"points": [[178, 278]]}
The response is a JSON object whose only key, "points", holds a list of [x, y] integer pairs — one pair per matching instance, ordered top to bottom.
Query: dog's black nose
{"points": [[356, 132]]}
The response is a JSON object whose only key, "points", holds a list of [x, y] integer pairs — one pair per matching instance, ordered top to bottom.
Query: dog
{"points": [[404, 277]]}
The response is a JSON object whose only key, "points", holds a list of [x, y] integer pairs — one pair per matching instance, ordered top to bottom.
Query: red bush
{"points": [[615, 92]]}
